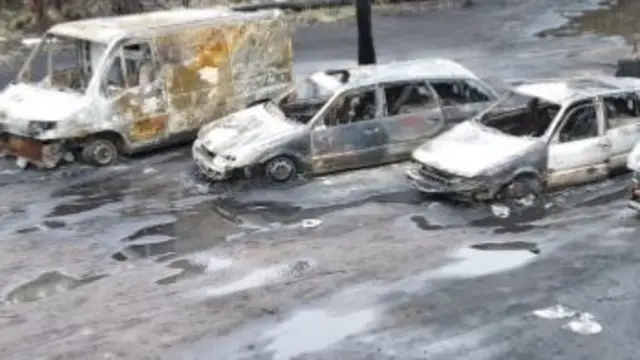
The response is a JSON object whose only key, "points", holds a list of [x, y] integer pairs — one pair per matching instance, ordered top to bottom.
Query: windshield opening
{"points": [[62, 63], [307, 97], [520, 115]]}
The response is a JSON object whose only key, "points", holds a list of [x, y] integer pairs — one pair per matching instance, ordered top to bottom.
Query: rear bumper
{"points": [[42, 154]]}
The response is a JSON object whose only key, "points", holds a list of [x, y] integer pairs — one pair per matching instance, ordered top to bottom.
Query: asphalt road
{"points": [[142, 261]]}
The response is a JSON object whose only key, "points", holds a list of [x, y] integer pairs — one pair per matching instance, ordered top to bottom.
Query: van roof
{"points": [[106, 29]]}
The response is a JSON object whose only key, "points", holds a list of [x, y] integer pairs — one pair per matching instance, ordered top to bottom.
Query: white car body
{"points": [[593, 124]]}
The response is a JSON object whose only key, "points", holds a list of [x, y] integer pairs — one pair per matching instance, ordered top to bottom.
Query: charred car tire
{"points": [[100, 152], [280, 169], [523, 192]]}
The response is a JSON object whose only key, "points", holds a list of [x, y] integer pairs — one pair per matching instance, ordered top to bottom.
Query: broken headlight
{"points": [[38, 127]]}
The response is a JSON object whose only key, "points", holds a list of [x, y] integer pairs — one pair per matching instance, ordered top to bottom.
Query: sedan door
{"points": [[411, 115], [622, 118], [349, 134], [579, 150]]}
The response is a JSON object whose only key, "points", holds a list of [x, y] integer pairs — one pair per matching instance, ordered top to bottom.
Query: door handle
{"points": [[371, 131], [604, 145]]}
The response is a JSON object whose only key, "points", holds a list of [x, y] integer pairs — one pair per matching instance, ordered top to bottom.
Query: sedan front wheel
{"points": [[281, 169]]}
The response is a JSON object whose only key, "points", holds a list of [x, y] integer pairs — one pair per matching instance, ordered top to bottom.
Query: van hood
{"points": [[24, 102], [247, 130], [469, 149]]}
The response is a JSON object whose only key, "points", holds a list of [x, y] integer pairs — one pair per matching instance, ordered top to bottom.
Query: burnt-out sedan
{"points": [[342, 119], [540, 136]]}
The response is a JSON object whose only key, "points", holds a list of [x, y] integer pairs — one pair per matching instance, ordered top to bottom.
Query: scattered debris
{"points": [[501, 211], [311, 223], [555, 312], [584, 324]]}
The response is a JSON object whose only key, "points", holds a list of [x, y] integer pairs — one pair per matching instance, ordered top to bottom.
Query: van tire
{"points": [[100, 152], [280, 169]]}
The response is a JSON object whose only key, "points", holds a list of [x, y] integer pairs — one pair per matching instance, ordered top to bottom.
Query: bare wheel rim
{"points": [[103, 153], [281, 169]]}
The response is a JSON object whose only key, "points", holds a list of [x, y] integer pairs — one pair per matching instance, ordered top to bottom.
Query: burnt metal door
{"points": [[411, 115], [348, 146], [579, 151]]}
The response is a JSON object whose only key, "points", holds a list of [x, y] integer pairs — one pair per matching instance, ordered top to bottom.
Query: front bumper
{"points": [[41, 154], [208, 167], [460, 188]]}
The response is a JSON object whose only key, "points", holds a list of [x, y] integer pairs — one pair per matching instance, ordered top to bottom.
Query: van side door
{"points": [[134, 92]]}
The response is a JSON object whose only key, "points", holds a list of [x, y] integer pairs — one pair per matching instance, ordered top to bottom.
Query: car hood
{"points": [[22, 102], [251, 128], [470, 149]]}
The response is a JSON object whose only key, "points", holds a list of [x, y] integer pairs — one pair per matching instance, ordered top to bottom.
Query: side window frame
{"points": [[118, 54], [407, 83], [627, 96], [444, 101], [570, 109], [319, 122]]}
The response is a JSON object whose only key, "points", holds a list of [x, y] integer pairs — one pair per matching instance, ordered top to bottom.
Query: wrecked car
{"points": [[102, 87], [342, 119], [539, 136], [633, 164]]}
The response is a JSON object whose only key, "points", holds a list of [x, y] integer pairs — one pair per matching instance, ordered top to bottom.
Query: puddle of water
{"points": [[615, 18], [422, 223], [166, 229], [508, 246], [146, 247], [472, 262], [193, 267], [188, 269], [260, 277], [46, 285], [315, 330]]}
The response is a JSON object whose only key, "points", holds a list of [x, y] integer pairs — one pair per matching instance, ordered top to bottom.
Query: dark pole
{"points": [[366, 50]]}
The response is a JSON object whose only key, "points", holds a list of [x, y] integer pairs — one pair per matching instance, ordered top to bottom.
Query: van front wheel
{"points": [[100, 152]]}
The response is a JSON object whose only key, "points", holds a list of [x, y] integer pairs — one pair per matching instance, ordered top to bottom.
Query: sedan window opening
{"points": [[459, 92], [408, 97], [306, 98], [352, 108], [520, 115]]}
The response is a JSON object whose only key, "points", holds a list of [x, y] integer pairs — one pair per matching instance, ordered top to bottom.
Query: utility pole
{"points": [[366, 49]]}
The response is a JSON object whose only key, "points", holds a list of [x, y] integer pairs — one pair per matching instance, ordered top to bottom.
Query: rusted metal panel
{"points": [[213, 71], [151, 127], [24, 147]]}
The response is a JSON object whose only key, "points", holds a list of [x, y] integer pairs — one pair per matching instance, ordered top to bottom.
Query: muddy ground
{"points": [[142, 261]]}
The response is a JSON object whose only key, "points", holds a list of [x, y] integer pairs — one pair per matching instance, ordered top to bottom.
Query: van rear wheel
{"points": [[100, 152]]}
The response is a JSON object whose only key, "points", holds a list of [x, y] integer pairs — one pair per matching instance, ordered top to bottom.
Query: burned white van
{"points": [[121, 85]]}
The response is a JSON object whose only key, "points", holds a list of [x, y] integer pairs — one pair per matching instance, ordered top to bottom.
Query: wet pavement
{"points": [[143, 260]]}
